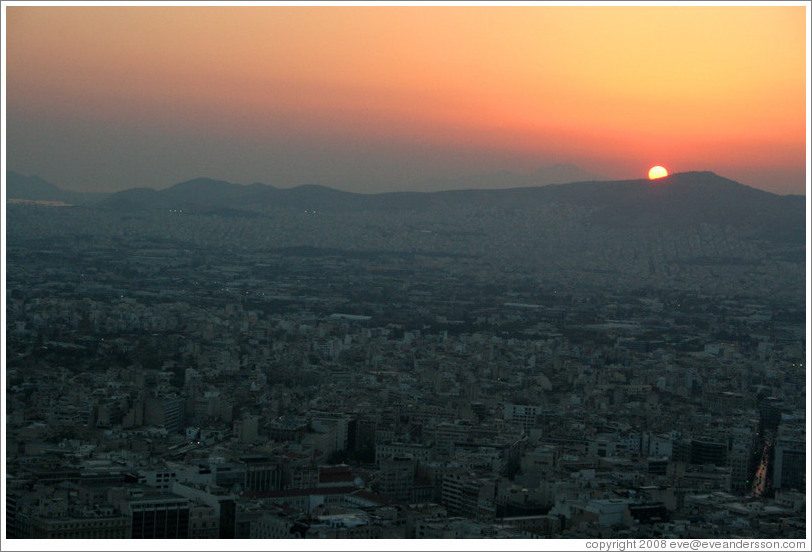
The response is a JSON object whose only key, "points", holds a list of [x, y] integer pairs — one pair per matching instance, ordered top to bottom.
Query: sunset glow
{"points": [[384, 97], [657, 172], [357, 270]]}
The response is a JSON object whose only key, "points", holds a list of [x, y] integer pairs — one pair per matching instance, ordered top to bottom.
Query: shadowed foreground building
{"points": [[159, 516], [50, 518]]}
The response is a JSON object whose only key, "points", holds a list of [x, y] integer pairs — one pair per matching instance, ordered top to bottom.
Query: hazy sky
{"points": [[382, 98]]}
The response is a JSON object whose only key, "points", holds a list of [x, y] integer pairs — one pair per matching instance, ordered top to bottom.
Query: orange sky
{"points": [[291, 95]]}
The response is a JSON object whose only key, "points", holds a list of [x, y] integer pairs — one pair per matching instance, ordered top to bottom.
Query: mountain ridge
{"points": [[34, 188], [678, 200]]}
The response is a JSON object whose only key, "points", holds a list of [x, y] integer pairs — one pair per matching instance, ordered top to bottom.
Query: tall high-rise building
{"points": [[789, 465], [397, 477], [159, 516]]}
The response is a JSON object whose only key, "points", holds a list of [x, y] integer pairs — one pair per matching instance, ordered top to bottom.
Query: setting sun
{"points": [[657, 172]]}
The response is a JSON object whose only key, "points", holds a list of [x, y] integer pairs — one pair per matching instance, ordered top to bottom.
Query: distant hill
{"points": [[34, 188], [204, 195], [686, 199], [679, 200]]}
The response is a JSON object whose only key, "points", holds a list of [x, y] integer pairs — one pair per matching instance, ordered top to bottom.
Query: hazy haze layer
{"points": [[375, 99]]}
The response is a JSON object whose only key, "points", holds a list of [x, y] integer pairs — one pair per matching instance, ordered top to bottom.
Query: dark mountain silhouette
{"points": [[34, 188], [204, 195], [685, 199], [679, 200]]}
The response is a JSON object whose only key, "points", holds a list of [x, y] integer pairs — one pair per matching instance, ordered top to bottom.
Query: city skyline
{"points": [[392, 98]]}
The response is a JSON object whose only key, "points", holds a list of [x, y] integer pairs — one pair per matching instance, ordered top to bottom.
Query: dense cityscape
{"points": [[480, 275], [437, 374]]}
